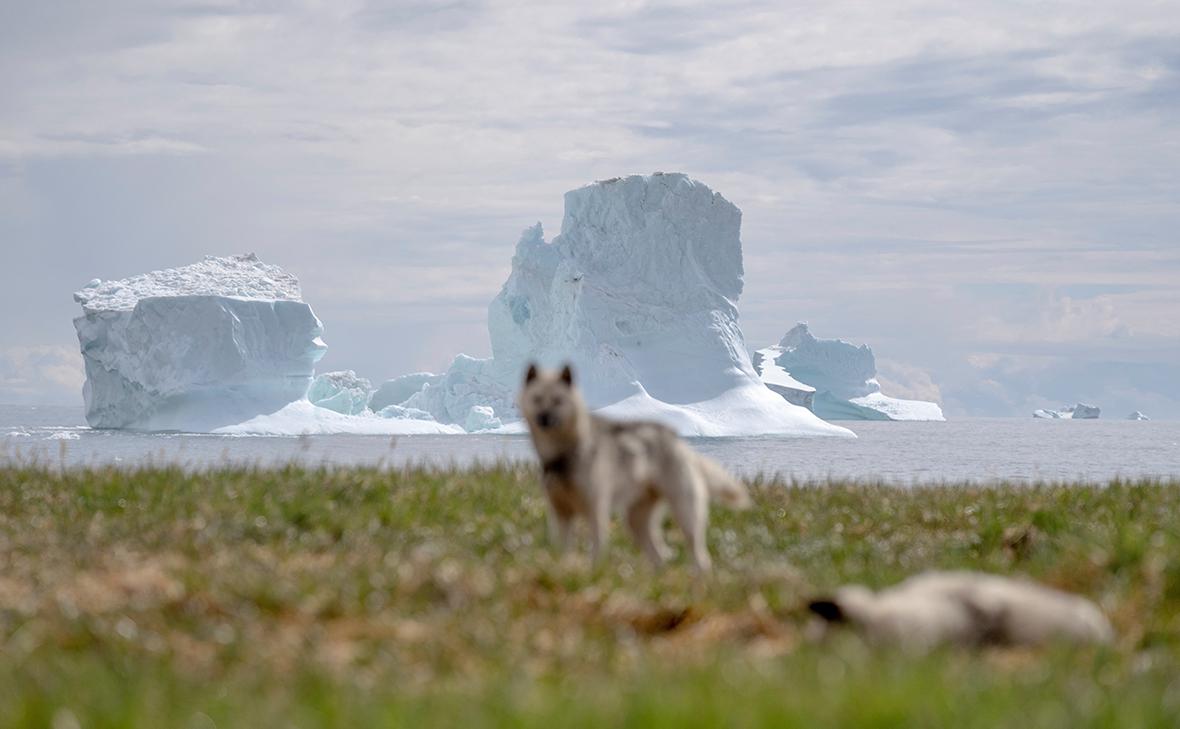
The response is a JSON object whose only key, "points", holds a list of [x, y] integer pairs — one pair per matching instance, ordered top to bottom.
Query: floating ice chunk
{"points": [[836, 379], [341, 391], [1137, 416], [481, 417]]}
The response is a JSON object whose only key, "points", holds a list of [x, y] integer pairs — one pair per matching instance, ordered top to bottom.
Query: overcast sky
{"points": [[988, 193]]}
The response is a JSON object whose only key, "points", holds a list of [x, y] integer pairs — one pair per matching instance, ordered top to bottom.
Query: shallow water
{"points": [[976, 449]]}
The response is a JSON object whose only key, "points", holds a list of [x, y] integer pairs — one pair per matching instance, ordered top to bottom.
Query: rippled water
{"points": [[970, 449]]}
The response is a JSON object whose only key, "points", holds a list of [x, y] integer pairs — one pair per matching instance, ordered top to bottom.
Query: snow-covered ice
{"points": [[639, 292], [224, 345], [196, 347], [836, 379], [780, 381], [400, 389], [343, 392], [1081, 411], [303, 418], [481, 418]]}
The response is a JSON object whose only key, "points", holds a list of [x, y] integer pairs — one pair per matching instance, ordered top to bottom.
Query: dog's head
{"points": [[549, 401]]}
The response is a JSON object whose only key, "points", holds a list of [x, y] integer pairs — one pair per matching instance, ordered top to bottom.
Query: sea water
{"points": [[972, 449]]}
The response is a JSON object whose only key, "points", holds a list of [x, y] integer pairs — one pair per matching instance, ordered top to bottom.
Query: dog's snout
{"points": [[545, 419]]}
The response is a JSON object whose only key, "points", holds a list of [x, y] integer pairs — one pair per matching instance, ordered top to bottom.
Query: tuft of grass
{"points": [[351, 597]]}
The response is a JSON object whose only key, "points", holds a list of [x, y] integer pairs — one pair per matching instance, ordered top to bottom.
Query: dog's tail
{"points": [[723, 487]]}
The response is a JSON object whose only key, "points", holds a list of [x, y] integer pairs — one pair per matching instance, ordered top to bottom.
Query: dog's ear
{"points": [[531, 374], [567, 375], [828, 609]]}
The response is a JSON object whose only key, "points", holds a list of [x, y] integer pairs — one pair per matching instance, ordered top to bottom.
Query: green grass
{"points": [[304, 597]]}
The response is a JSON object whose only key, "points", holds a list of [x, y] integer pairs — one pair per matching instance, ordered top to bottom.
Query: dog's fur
{"points": [[592, 466], [967, 609]]}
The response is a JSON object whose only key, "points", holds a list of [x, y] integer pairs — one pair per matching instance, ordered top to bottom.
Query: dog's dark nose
{"points": [[545, 419]]}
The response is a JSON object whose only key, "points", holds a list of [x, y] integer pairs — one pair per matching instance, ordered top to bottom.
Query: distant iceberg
{"points": [[639, 292], [223, 345], [834, 378], [1081, 411], [1137, 416]]}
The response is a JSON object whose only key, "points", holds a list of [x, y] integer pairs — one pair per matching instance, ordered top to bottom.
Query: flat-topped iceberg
{"points": [[639, 292], [223, 345], [197, 347], [836, 379], [1081, 411]]}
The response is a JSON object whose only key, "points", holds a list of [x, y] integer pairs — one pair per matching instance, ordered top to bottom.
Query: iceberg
{"points": [[639, 292], [225, 345], [197, 347], [834, 378], [399, 389], [342, 392], [1081, 411], [1137, 416]]}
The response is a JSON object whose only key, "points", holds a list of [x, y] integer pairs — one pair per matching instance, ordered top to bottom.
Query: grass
{"points": [[305, 597]]}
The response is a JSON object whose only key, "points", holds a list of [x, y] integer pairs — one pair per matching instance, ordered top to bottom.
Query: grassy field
{"points": [[295, 597]]}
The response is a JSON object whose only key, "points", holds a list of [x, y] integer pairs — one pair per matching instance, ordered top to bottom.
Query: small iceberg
{"points": [[1081, 411]]}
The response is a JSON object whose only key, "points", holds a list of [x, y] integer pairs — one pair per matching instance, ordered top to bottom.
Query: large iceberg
{"points": [[639, 293], [223, 345], [195, 348], [836, 379]]}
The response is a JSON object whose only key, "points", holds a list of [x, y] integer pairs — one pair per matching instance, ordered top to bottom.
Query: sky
{"points": [[987, 193]]}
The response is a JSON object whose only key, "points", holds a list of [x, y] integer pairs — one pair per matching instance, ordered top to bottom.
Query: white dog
{"points": [[593, 467], [965, 608]]}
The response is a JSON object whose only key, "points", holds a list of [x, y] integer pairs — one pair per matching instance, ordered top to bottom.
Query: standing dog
{"points": [[593, 466]]}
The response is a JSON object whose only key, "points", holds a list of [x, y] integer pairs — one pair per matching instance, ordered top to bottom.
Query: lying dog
{"points": [[593, 466], [965, 608]]}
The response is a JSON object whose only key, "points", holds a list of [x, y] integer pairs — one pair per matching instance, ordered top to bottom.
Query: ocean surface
{"points": [[973, 449]]}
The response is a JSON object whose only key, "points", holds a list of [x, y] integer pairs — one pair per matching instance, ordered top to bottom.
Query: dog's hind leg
{"points": [[690, 509], [644, 520]]}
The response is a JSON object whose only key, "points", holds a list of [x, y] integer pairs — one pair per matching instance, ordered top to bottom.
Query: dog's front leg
{"points": [[599, 526], [561, 530]]}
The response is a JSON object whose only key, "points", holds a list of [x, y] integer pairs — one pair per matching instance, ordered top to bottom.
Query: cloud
{"points": [[935, 181], [1060, 319], [30, 374], [907, 382]]}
